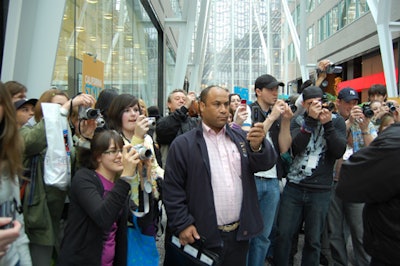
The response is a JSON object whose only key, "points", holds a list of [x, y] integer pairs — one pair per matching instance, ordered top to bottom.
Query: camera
{"points": [[333, 69], [326, 103], [292, 106], [391, 107], [367, 111], [88, 113], [256, 114], [152, 121], [144, 153], [8, 209]]}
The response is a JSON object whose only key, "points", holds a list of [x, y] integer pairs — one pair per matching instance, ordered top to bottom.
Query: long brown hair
{"points": [[46, 97], [11, 145]]}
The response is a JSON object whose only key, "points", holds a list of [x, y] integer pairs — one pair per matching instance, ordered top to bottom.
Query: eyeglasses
{"points": [[113, 152]]}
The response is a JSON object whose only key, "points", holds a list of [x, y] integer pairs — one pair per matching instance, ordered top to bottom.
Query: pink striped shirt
{"points": [[226, 171]]}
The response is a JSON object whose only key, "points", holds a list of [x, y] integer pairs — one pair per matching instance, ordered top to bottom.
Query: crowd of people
{"points": [[239, 182]]}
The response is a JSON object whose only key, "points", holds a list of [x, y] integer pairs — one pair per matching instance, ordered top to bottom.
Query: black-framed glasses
{"points": [[112, 152]]}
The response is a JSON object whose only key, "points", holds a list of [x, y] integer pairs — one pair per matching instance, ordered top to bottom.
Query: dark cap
{"points": [[267, 81], [312, 92], [348, 94], [18, 104]]}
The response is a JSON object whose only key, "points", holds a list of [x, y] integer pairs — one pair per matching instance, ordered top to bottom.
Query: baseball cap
{"points": [[267, 81], [312, 92], [348, 94], [18, 104]]}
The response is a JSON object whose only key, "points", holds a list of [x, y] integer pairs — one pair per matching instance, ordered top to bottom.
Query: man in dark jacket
{"points": [[177, 122], [318, 139], [368, 176], [209, 188]]}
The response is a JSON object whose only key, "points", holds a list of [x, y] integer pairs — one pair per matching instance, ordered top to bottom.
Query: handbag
{"points": [[142, 249], [190, 254]]}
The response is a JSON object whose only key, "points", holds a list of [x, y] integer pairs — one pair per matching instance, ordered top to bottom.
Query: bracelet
{"points": [[365, 133], [256, 150]]}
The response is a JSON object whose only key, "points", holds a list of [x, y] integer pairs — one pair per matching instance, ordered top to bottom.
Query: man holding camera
{"points": [[275, 115], [360, 132], [318, 139], [209, 188]]}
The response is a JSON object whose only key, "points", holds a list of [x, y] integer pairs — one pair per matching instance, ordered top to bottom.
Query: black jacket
{"points": [[176, 123], [371, 176], [188, 194], [90, 216]]}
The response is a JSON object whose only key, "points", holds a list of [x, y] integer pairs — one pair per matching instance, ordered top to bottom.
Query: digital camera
{"points": [[334, 69], [326, 103], [292, 106], [391, 107], [367, 111], [88, 113], [152, 121], [144, 153]]}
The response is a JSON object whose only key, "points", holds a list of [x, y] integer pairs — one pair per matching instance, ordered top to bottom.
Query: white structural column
{"points": [[380, 10], [186, 24], [32, 33], [200, 45], [299, 47]]}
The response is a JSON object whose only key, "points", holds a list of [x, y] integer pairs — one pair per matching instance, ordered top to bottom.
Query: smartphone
{"points": [[243, 101], [255, 114], [8, 209]]}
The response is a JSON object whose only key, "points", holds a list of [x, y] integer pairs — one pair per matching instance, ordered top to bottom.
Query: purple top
{"points": [[107, 257]]}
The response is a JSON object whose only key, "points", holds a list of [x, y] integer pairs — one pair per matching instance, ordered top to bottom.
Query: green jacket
{"points": [[43, 205]]}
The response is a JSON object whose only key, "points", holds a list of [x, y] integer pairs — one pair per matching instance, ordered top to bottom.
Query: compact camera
{"points": [[334, 69], [327, 104], [292, 106], [391, 107], [367, 111], [88, 113], [152, 121], [144, 153], [8, 209]]}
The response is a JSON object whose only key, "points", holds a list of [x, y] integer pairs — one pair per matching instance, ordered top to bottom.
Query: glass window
{"points": [[322, 28], [117, 32], [310, 37]]}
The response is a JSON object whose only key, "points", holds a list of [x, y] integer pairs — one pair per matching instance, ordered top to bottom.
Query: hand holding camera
{"points": [[241, 113], [142, 126], [130, 160], [8, 235]]}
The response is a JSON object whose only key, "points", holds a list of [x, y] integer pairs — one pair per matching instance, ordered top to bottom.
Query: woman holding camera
{"points": [[125, 116], [43, 202], [97, 220], [14, 249]]}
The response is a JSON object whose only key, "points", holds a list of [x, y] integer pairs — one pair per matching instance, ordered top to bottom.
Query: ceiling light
{"points": [[92, 1], [107, 16], [79, 28]]}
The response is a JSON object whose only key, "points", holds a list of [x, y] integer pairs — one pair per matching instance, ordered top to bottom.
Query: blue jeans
{"points": [[268, 200], [299, 205]]}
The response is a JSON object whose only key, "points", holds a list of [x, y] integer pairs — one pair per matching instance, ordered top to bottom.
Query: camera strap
{"points": [[147, 188]]}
